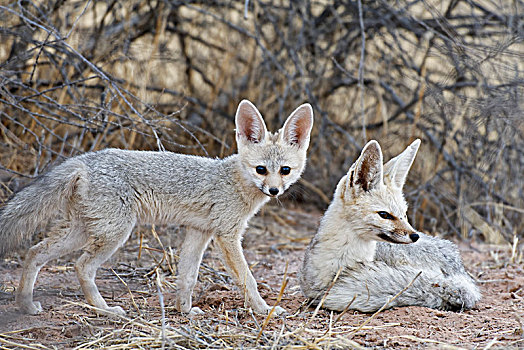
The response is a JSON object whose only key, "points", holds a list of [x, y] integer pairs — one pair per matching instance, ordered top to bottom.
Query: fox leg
{"points": [[65, 238], [191, 253], [95, 255], [236, 264]]}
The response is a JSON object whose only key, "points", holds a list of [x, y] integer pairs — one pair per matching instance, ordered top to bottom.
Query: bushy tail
{"points": [[34, 205], [372, 285]]}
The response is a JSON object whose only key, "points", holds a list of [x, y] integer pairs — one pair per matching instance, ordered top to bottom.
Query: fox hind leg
{"points": [[65, 237], [96, 253], [191, 254]]}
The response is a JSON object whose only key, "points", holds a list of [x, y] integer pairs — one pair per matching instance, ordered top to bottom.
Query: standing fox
{"points": [[93, 201], [369, 207]]}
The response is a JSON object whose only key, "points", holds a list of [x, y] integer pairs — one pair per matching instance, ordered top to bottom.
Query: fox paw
{"points": [[183, 305], [31, 307], [116, 310], [111, 311], [195, 311], [279, 311]]}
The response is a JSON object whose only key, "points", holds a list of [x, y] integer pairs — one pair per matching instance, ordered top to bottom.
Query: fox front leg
{"points": [[236, 264]]}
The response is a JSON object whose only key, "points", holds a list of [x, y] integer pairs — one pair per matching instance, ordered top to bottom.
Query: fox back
{"points": [[166, 187], [344, 261]]}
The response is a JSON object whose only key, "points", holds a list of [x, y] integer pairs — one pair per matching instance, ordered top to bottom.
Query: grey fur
{"points": [[93, 201], [30, 209], [350, 240], [443, 284]]}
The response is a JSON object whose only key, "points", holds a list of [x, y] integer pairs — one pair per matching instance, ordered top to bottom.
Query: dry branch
{"points": [[84, 75]]}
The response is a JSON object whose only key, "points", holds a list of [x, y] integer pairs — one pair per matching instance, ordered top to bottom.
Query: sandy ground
{"points": [[275, 241]]}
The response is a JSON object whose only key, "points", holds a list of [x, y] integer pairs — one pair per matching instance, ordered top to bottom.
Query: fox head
{"points": [[272, 161], [371, 195]]}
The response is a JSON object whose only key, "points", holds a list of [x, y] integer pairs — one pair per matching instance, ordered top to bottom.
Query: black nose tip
{"points": [[274, 191], [414, 237]]}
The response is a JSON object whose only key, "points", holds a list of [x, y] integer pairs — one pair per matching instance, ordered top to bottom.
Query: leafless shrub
{"points": [[77, 76]]}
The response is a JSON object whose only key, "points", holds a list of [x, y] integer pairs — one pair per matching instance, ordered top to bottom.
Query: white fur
{"points": [[97, 198], [372, 272]]}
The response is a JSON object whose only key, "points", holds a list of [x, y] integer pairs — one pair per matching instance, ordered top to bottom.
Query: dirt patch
{"points": [[275, 242]]}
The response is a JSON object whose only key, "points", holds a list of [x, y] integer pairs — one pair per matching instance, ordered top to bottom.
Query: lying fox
{"points": [[94, 201], [369, 207]]}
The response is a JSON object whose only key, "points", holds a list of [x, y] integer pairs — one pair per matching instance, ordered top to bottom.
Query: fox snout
{"points": [[272, 184], [271, 191], [399, 237]]}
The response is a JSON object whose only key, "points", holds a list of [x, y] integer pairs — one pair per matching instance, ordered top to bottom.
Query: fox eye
{"points": [[262, 170], [285, 170], [385, 215]]}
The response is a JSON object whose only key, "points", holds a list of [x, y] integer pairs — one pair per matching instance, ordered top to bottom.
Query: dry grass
{"points": [[82, 75], [145, 288]]}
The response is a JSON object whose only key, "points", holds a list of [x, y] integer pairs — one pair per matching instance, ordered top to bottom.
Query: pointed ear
{"points": [[250, 126], [297, 127], [396, 170], [366, 173]]}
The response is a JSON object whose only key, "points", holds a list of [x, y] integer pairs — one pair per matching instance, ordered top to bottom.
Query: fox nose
{"points": [[274, 191], [414, 236]]}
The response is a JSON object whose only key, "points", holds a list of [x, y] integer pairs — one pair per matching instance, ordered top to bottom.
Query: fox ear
{"points": [[250, 126], [297, 127], [396, 170], [367, 172]]}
